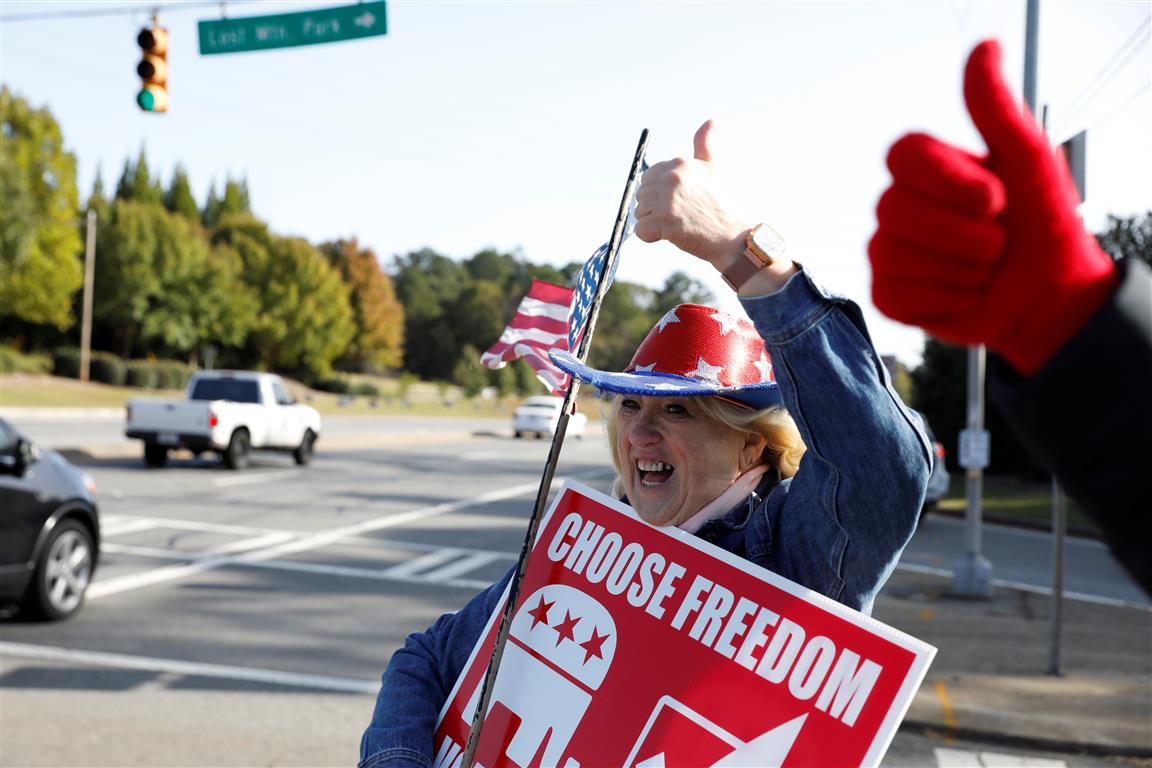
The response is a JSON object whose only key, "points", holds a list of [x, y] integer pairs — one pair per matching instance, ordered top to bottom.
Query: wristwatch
{"points": [[762, 247]]}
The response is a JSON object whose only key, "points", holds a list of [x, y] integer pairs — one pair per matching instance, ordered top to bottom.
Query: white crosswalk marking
{"points": [[423, 563], [461, 566], [960, 758]]}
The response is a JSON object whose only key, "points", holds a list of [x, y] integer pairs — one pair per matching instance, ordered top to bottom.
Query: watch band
{"points": [[755, 259], [742, 271]]}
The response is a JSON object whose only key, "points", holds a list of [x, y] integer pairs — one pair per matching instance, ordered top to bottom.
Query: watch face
{"points": [[768, 241]]}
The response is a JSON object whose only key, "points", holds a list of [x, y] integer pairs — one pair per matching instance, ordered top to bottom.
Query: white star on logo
{"points": [[667, 319], [727, 322], [764, 366], [644, 368], [706, 372]]}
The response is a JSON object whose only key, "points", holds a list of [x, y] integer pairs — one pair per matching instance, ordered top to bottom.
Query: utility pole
{"points": [[89, 278], [972, 575]]}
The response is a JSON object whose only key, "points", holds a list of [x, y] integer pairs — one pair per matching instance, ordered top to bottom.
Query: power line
{"points": [[1123, 54]]}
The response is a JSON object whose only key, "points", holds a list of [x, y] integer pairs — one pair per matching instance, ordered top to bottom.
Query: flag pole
{"points": [[554, 454]]}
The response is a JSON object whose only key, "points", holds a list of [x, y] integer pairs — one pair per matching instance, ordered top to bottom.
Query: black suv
{"points": [[49, 528]]}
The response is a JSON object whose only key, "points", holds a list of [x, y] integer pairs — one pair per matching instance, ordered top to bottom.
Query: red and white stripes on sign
{"points": [[540, 324]]}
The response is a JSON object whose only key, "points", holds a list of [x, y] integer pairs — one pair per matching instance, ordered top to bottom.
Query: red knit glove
{"points": [[987, 250]]}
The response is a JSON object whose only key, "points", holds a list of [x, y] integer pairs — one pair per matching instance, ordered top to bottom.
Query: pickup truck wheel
{"points": [[303, 452], [236, 454], [155, 455]]}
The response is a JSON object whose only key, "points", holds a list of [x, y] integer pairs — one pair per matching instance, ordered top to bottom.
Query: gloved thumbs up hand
{"points": [[987, 250]]}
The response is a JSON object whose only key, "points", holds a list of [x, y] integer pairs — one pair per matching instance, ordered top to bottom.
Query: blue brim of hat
{"points": [[758, 396]]}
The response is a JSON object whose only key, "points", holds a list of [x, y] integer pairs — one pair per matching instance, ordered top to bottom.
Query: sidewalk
{"points": [[989, 679]]}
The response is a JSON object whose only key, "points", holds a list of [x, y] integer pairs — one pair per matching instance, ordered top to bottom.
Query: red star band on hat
{"points": [[704, 344]]}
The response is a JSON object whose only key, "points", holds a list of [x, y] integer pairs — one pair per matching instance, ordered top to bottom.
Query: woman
{"points": [[824, 491]]}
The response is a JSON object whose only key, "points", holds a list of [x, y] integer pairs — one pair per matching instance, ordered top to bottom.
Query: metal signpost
{"points": [[287, 30]]}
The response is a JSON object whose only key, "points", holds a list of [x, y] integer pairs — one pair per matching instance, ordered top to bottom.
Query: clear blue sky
{"points": [[512, 124]]}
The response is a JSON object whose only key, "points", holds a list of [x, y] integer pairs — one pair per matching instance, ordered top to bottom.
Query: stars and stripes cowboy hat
{"points": [[693, 350]]}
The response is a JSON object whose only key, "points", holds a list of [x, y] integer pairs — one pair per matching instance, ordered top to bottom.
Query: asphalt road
{"points": [[244, 618]]}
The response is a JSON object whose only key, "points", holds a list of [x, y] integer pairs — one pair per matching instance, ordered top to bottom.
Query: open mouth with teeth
{"points": [[653, 473]]}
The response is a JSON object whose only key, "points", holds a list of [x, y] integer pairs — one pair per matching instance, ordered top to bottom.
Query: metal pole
{"points": [[1031, 44], [89, 277], [1059, 527], [972, 576], [486, 687]]}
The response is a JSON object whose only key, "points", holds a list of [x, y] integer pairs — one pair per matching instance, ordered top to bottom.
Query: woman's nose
{"points": [[643, 432]]}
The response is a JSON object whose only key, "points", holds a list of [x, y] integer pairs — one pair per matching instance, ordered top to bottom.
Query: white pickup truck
{"points": [[229, 412]]}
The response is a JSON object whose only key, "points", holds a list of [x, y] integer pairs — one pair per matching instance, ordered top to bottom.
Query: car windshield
{"points": [[236, 390]]}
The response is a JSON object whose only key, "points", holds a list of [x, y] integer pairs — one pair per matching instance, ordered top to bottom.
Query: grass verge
{"points": [[1015, 501]]}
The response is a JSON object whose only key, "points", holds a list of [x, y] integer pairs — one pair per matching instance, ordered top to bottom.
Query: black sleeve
{"points": [[1087, 416]]}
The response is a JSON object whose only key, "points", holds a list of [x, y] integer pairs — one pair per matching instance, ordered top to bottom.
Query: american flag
{"points": [[551, 316], [540, 324]]}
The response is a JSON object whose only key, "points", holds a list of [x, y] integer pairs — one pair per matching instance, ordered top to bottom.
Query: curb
{"points": [[1037, 743]]}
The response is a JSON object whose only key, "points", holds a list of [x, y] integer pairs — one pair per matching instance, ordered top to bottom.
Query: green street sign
{"points": [[286, 30]]}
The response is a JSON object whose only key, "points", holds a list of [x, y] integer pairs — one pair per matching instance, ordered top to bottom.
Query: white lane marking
{"points": [[482, 455], [253, 479], [112, 525], [184, 525], [300, 544], [417, 546], [417, 564], [460, 567], [364, 573], [948, 574], [440, 578], [135, 580], [200, 669], [956, 758], [959, 758]]}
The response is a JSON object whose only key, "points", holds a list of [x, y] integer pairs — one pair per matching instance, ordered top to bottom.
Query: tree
{"points": [[136, 183], [178, 199], [235, 199], [210, 213], [1128, 237], [40, 244], [126, 274], [427, 284], [679, 288], [378, 316], [303, 318], [624, 322], [468, 373]]}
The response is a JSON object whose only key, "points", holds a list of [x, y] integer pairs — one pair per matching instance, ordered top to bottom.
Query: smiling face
{"points": [[673, 458]]}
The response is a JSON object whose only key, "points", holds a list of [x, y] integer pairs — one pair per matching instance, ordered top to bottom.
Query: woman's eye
{"points": [[628, 405], [676, 410]]}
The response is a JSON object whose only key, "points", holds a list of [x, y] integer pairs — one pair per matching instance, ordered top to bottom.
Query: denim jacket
{"points": [[837, 527]]}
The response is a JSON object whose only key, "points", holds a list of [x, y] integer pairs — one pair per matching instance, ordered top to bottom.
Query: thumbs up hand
{"points": [[680, 201], [987, 250]]}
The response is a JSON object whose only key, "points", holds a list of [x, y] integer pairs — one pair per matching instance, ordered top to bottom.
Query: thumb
{"points": [[995, 111], [702, 142]]}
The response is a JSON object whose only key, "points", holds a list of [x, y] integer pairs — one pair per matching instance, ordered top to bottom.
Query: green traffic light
{"points": [[146, 99]]}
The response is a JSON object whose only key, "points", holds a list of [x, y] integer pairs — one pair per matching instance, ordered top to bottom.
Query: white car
{"points": [[539, 415]]}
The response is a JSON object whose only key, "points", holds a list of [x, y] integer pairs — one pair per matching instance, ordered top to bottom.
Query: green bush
{"points": [[15, 361], [66, 362], [107, 369], [142, 374], [172, 375], [336, 385], [365, 389]]}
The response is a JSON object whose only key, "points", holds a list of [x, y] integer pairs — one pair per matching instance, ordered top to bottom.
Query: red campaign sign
{"points": [[640, 646]]}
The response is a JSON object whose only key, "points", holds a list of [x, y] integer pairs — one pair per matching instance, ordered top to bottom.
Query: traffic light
{"points": [[153, 69]]}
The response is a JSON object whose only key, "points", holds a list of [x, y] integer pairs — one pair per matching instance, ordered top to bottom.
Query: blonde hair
{"points": [[783, 447]]}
